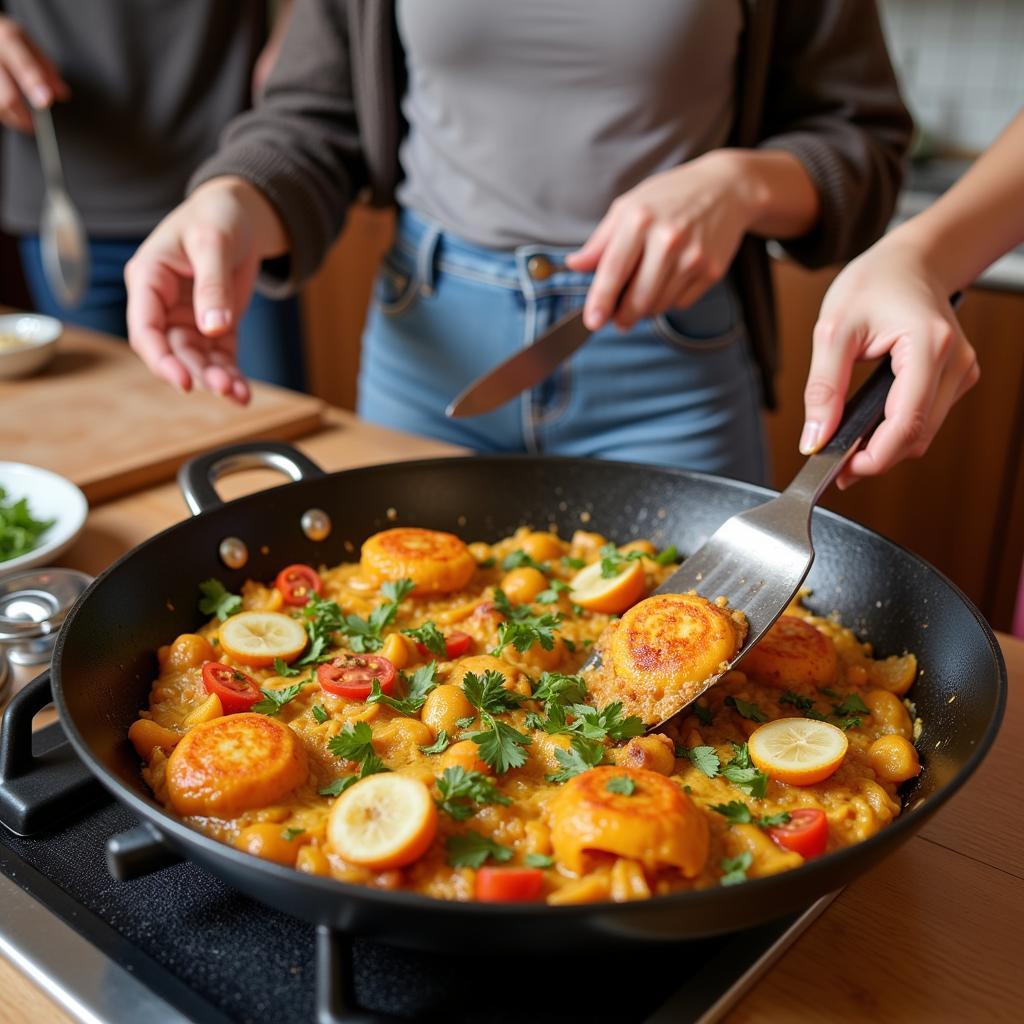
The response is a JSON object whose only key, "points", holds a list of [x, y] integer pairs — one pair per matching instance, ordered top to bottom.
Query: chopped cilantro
{"points": [[20, 531], [667, 555], [520, 559], [614, 561], [487, 563], [572, 563], [550, 596], [216, 599], [323, 619], [521, 628], [363, 635], [431, 637], [285, 670], [423, 680], [555, 688], [826, 691], [488, 693], [274, 700], [800, 703], [851, 705], [746, 709], [319, 714], [704, 715], [607, 722], [851, 722], [465, 723], [354, 742], [500, 745], [439, 746], [582, 755], [703, 758], [372, 765], [743, 775], [621, 784], [464, 793], [738, 813], [291, 833], [471, 850], [538, 860], [735, 868]]}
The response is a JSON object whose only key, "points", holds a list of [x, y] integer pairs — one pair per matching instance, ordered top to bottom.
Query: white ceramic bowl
{"points": [[39, 335], [50, 496]]}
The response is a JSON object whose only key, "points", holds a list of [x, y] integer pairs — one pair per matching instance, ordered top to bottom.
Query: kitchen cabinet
{"points": [[961, 507]]}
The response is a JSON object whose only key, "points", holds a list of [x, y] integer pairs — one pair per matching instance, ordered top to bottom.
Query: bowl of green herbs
{"points": [[41, 514]]}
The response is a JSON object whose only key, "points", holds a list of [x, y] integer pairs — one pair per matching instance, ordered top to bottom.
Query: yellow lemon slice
{"points": [[612, 596], [257, 638], [799, 751], [383, 821]]}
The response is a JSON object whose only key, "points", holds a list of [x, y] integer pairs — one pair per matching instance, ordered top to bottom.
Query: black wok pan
{"points": [[104, 663]]}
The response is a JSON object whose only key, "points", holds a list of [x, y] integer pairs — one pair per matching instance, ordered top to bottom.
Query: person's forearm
{"points": [[783, 199], [978, 220]]}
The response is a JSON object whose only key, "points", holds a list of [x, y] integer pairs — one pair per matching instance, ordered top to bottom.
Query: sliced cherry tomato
{"points": [[297, 582], [456, 644], [352, 675], [237, 690], [805, 833], [509, 885]]}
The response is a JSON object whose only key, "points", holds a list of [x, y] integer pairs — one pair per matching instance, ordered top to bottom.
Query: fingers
{"points": [[34, 73], [14, 112], [208, 251], [586, 258], [619, 260], [657, 266], [152, 293], [832, 357], [211, 362]]}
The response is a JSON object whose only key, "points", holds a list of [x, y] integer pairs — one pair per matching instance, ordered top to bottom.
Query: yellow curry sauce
{"points": [[642, 823]]}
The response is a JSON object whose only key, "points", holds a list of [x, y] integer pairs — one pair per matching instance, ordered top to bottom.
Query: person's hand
{"points": [[25, 72], [664, 243], [191, 280], [887, 300]]}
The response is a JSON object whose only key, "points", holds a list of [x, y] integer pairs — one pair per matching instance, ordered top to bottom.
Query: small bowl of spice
{"points": [[28, 342]]}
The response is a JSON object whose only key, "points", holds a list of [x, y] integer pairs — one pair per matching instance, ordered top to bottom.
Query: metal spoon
{"points": [[62, 234]]}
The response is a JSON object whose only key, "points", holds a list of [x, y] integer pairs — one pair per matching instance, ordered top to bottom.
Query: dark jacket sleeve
{"points": [[833, 102], [300, 146]]}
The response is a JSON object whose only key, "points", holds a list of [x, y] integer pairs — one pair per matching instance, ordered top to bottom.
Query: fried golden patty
{"points": [[437, 562]]}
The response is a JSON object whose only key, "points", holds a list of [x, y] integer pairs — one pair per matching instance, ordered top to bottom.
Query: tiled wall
{"points": [[961, 66]]}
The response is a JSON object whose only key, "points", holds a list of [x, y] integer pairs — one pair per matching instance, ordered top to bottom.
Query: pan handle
{"points": [[197, 477], [39, 788], [138, 852], [334, 982]]}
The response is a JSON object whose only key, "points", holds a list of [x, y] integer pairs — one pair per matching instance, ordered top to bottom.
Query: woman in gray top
{"points": [[632, 159]]}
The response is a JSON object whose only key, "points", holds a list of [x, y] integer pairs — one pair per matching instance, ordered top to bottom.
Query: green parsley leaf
{"points": [[20, 532], [667, 555], [519, 559], [614, 561], [487, 563], [573, 563], [396, 591], [550, 596], [216, 600], [323, 619], [521, 628], [364, 635], [431, 637], [285, 670], [423, 680], [555, 688], [488, 692], [828, 692], [274, 700], [800, 703], [851, 705], [746, 709], [319, 714], [704, 715], [816, 715], [607, 722], [853, 722], [465, 723], [554, 724], [353, 743], [500, 745], [439, 746], [582, 755], [705, 759], [372, 765], [743, 775], [621, 784], [338, 786], [464, 793], [735, 812], [772, 820], [291, 833], [471, 849], [538, 860], [735, 868]]}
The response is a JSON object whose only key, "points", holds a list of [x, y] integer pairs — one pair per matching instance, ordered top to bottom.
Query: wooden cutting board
{"points": [[98, 417]]}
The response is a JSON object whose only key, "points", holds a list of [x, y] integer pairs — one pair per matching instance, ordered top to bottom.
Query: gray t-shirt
{"points": [[153, 83], [527, 118]]}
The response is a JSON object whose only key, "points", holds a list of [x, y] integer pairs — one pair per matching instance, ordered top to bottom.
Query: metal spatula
{"points": [[62, 236], [758, 559]]}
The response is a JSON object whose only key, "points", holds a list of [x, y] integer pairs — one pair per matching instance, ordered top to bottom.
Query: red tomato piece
{"points": [[297, 582], [456, 644], [352, 675], [237, 690], [805, 833], [509, 885]]}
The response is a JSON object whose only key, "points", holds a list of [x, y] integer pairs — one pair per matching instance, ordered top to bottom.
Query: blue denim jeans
{"points": [[269, 337], [680, 389]]}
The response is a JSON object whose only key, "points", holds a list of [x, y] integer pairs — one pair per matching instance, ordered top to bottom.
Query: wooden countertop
{"points": [[930, 934]]}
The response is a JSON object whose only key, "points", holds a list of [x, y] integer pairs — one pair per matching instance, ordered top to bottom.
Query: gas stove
{"points": [[178, 945]]}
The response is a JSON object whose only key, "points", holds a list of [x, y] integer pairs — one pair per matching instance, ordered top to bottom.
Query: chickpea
{"points": [[586, 544], [643, 545], [543, 547], [480, 551], [522, 585], [190, 650], [396, 650], [537, 656], [479, 664], [857, 675], [444, 706], [888, 713], [398, 737], [544, 749], [655, 753], [466, 755], [894, 759], [267, 840], [313, 861]]}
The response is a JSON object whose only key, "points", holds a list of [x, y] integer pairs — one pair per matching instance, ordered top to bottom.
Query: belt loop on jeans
{"points": [[425, 254]]}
